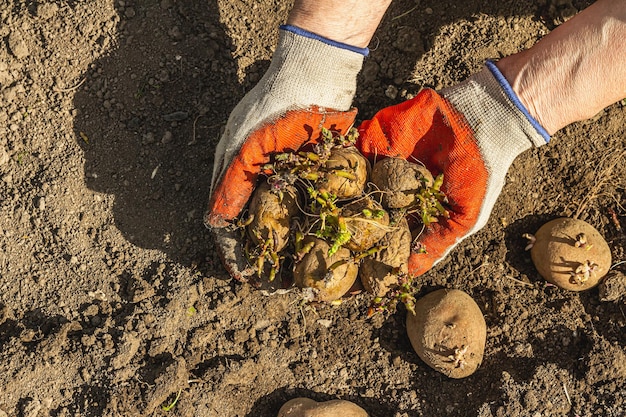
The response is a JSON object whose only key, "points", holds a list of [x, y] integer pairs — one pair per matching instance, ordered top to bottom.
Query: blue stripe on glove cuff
{"points": [[311, 35], [513, 97]]}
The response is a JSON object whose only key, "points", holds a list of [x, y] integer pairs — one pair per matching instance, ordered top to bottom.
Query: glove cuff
{"points": [[299, 31], [309, 70], [494, 111], [502, 128]]}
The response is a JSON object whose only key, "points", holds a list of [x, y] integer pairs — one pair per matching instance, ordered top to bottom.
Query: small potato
{"points": [[347, 172], [400, 180], [271, 216], [367, 222], [570, 254], [313, 271], [378, 272], [448, 332], [305, 407]]}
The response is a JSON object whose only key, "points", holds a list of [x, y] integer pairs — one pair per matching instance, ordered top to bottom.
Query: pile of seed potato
{"points": [[324, 216]]}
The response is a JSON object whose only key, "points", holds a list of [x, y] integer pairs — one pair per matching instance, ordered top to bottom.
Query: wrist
{"points": [[351, 22], [305, 33], [575, 71]]}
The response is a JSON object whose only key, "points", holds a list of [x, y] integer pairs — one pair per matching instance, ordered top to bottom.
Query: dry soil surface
{"points": [[112, 299]]}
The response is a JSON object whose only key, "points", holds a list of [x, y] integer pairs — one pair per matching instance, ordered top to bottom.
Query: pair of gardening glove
{"points": [[470, 133]]}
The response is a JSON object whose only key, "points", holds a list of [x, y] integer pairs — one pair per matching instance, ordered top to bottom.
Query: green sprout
{"points": [[289, 167], [429, 203], [333, 227], [265, 253], [402, 292], [173, 403]]}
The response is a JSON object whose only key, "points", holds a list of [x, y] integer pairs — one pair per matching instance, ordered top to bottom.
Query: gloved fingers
{"points": [[429, 130], [287, 133], [231, 252]]}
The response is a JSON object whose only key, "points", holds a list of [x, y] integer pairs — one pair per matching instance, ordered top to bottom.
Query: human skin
{"points": [[352, 22], [576, 70], [570, 75]]}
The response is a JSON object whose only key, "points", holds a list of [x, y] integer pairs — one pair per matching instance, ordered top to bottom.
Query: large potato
{"points": [[344, 161], [400, 180], [272, 216], [367, 222], [571, 254], [313, 271], [378, 272], [448, 332], [305, 407]]}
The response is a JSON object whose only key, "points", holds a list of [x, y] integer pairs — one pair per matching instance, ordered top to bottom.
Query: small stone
{"points": [[47, 10], [428, 10], [130, 13], [175, 33], [17, 46], [391, 92], [10, 94], [177, 116], [167, 137], [148, 138], [4, 156], [613, 286], [28, 335]]}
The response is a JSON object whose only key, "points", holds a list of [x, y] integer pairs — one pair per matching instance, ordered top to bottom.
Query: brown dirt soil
{"points": [[112, 300]]}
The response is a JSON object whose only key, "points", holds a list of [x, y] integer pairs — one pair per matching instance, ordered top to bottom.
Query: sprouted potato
{"points": [[345, 172], [400, 180], [410, 186], [316, 197], [270, 217], [366, 221], [570, 253], [379, 271], [330, 276], [448, 332]]}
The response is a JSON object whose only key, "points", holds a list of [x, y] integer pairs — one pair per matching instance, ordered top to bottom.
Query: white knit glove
{"points": [[310, 84], [471, 133]]}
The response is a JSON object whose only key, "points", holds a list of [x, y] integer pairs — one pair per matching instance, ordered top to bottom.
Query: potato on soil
{"points": [[347, 172], [400, 180], [271, 216], [366, 221], [571, 254], [313, 271], [378, 272], [448, 332], [305, 407]]}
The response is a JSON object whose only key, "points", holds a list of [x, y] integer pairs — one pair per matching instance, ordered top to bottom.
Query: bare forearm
{"points": [[348, 21], [576, 70]]}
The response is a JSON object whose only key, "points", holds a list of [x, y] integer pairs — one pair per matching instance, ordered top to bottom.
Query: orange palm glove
{"points": [[310, 84], [471, 133]]}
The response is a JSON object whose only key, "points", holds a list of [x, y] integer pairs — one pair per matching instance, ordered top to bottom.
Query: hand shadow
{"points": [[149, 117]]}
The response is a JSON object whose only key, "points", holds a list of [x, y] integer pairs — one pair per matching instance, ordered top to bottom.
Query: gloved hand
{"points": [[310, 84], [471, 133]]}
